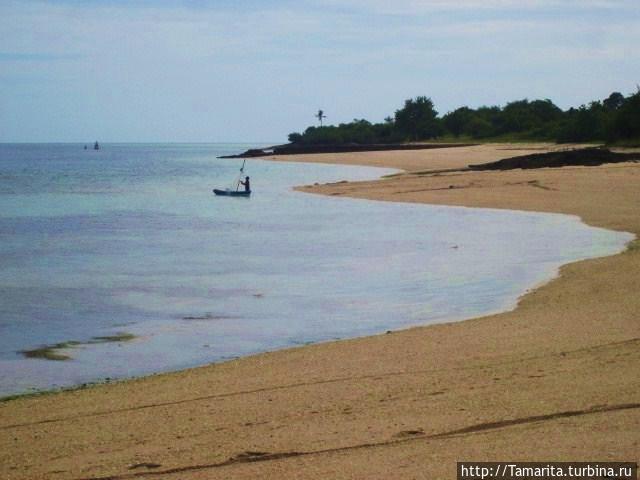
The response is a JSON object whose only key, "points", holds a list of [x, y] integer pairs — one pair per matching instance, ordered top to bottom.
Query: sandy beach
{"points": [[556, 379]]}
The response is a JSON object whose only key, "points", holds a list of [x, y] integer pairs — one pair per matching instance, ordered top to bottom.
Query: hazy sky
{"points": [[250, 70]]}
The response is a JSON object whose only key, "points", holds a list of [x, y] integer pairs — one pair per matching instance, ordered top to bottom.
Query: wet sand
{"points": [[558, 378]]}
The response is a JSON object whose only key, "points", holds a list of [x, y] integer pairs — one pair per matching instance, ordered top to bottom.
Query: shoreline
{"points": [[50, 351], [61, 351], [407, 394]]}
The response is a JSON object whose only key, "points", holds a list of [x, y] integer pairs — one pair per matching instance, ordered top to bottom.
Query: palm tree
{"points": [[320, 115]]}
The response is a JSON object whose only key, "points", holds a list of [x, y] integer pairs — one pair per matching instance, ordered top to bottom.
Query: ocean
{"points": [[123, 261]]}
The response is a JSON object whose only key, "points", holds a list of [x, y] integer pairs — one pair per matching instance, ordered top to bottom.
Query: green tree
{"points": [[614, 101], [523, 115], [418, 119], [627, 120], [456, 122], [584, 124], [479, 127], [295, 137]]}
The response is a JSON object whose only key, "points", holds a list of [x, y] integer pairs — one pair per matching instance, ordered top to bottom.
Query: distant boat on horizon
{"points": [[96, 146]]}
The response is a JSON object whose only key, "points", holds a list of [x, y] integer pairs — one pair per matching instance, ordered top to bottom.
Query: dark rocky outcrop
{"points": [[298, 149], [585, 157]]}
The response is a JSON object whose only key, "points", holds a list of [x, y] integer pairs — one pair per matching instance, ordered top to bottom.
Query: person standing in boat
{"points": [[247, 185]]}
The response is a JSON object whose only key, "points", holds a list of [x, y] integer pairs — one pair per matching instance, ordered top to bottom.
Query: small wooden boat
{"points": [[232, 193]]}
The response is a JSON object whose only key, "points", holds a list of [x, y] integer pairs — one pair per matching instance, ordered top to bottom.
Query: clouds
{"points": [[422, 7], [281, 29], [36, 57], [200, 70]]}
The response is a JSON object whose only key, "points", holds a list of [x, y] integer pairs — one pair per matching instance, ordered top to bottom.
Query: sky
{"points": [[255, 71]]}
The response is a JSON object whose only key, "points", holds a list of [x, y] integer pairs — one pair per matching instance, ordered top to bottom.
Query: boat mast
{"points": [[240, 175]]}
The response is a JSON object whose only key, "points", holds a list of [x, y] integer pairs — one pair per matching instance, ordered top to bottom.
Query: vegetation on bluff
{"points": [[615, 119]]}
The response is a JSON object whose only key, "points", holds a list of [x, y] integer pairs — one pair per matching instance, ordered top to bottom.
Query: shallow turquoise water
{"points": [[131, 239]]}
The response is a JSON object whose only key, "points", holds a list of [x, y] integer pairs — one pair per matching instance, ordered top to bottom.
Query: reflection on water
{"points": [[131, 239]]}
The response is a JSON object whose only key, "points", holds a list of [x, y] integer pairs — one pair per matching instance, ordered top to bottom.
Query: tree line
{"points": [[612, 120]]}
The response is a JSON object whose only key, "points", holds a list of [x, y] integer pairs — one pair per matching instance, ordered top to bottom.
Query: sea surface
{"points": [[130, 240]]}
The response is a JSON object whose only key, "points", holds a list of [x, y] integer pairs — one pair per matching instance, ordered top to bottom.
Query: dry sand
{"points": [[556, 379]]}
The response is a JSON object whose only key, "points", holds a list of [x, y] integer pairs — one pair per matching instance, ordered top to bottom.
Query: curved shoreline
{"points": [[61, 351], [554, 379]]}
